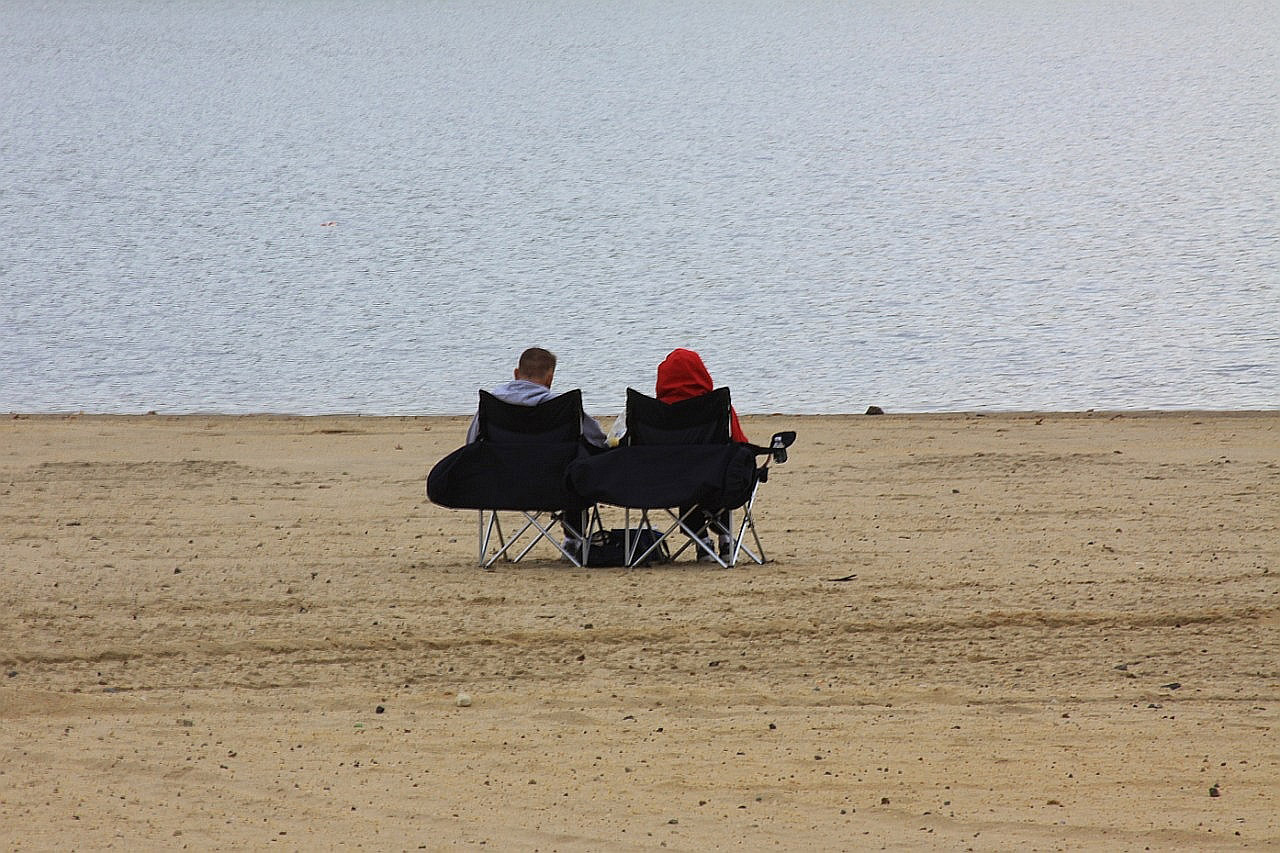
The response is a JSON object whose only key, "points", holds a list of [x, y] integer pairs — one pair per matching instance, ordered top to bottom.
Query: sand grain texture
{"points": [[203, 615]]}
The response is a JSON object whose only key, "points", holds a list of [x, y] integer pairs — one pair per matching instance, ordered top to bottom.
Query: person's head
{"points": [[537, 365], [682, 375]]}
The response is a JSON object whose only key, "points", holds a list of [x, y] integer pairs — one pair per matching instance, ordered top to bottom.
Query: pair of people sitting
{"points": [[682, 375]]}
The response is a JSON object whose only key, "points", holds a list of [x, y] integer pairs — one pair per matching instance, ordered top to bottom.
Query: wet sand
{"points": [[1014, 631]]}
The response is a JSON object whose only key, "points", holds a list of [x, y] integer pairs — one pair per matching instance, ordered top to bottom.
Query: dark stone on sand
{"points": [[874, 410], [379, 710], [1214, 792]]}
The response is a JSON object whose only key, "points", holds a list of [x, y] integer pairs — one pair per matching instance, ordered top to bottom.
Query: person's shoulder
{"points": [[522, 392]]}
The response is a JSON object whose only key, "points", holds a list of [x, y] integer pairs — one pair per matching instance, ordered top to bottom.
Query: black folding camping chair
{"points": [[678, 458], [518, 464]]}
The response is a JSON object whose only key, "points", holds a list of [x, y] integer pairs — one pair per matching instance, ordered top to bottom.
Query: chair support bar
{"points": [[485, 560]]}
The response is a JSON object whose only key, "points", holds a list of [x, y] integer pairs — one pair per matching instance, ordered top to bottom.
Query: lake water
{"points": [[373, 206]]}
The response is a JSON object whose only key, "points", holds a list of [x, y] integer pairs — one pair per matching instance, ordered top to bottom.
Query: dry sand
{"points": [[1058, 631]]}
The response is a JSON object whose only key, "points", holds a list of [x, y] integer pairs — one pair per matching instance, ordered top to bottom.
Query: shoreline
{"points": [[977, 413], [988, 630]]}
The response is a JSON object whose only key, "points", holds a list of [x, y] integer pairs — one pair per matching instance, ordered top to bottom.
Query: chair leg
{"points": [[749, 523], [593, 524], [491, 528], [487, 533], [547, 533], [626, 534], [696, 537], [505, 544], [737, 546], [657, 549], [631, 558]]}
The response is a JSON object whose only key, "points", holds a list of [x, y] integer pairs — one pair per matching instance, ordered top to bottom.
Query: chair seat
{"points": [[713, 476]]}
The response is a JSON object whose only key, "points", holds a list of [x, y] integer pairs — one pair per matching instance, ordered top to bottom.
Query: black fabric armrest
{"points": [[488, 475], [656, 476]]}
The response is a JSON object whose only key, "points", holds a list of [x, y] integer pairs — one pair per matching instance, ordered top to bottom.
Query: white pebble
{"points": [[464, 700]]}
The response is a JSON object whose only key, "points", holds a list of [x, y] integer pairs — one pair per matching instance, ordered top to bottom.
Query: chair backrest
{"points": [[556, 420], [698, 420]]}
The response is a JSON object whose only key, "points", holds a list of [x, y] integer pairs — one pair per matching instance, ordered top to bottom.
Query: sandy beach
{"points": [[1011, 631]]}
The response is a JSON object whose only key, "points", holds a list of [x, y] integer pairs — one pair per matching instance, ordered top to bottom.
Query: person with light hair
{"points": [[530, 385]]}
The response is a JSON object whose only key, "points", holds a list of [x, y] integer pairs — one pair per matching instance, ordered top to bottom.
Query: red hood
{"points": [[682, 375]]}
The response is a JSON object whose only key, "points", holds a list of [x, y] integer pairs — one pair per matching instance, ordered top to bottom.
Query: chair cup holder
{"points": [[779, 443]]}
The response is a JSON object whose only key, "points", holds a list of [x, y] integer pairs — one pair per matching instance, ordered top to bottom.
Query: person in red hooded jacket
{"points": [[681, 376]]}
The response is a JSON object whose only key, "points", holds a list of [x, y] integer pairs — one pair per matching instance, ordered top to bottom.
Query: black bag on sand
{"points": [[608, 547]]}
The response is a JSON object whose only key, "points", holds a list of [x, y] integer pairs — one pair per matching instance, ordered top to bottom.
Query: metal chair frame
{"points": [[491, 524]]}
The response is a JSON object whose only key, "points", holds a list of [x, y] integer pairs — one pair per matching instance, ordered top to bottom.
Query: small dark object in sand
{"points": [[874, 410], [843, 579], [13, 673], [1172, 685], [379, 710], [1214, 792], [884, 801]]}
